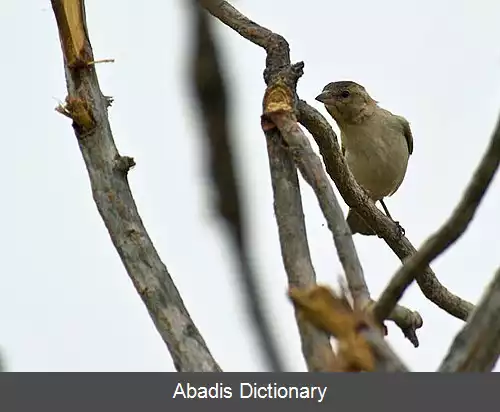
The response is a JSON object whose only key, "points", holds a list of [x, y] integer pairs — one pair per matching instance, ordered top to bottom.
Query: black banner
{"points": [[72, 392]]}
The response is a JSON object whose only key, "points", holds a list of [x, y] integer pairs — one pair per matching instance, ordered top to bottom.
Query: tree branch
{"points": [[279, 72], [210, 88], [87, 107], [313, 173], [355, 198], [287, 202], [449, 232], [295, 253], [477, 346]]}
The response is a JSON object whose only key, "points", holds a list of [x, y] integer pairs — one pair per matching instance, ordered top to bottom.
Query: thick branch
{"points": [[248, 29], [277, 49], [210, 88], [312, 170], [111, 191], [355, 198], [448, 234], [295, 252], [477, 347]]}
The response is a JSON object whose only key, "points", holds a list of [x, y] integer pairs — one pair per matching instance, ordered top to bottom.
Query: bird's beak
{"points": [[324, 97]]}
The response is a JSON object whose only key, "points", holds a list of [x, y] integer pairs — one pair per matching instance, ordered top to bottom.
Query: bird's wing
{"points": [[407, 133], [409, 141]]}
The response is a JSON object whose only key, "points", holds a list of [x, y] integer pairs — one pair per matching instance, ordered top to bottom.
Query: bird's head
{"points": [[346, 101]]}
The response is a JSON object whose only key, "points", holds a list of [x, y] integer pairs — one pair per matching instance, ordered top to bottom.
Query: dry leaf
{"points": [[333, 314]]}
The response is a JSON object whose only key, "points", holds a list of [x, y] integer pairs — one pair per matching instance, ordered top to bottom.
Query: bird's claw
{"points": [[401, 230]]}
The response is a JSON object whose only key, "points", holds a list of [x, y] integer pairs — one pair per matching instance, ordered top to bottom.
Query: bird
{"points": [[376, 144]]}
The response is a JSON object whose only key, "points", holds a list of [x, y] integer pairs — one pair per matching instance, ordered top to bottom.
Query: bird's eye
{"points": [[345, 94]]}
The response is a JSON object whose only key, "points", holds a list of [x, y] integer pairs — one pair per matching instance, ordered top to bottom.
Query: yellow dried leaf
{"points": [[333, 314]]}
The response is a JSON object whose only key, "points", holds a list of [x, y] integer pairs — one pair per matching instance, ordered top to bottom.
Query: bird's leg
{"points": [[386, 210], [400, 228]]}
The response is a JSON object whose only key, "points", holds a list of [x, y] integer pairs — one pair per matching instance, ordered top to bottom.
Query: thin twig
{"points": [[101, 61], [210, 88], [354, 196], [115, 203], [449, 232], [408, 321], [477, 346]]}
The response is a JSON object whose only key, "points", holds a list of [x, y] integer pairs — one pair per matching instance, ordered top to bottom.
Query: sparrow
{"points": [[376, 144]]}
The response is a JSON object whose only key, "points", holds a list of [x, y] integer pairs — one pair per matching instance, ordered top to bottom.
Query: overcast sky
{"points": [[66, 302]]}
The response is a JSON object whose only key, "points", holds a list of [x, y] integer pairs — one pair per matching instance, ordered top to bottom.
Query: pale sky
{"points": [[66, 301]]}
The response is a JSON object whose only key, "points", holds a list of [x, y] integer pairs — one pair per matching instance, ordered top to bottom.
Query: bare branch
{"points": [[232, 18], [277, 49], [210, 88], [283, 96], [312, 170], [355, 198], [114, 199], [287, 202], [448, 234], [295, 252], [408, 321], [477, 346], [385, 358]]}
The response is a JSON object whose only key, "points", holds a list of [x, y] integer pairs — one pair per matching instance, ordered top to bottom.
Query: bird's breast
{"points": [[377, 157]]}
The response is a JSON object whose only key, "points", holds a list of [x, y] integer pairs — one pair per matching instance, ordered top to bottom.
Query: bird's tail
{"points": [[358, 225]]}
